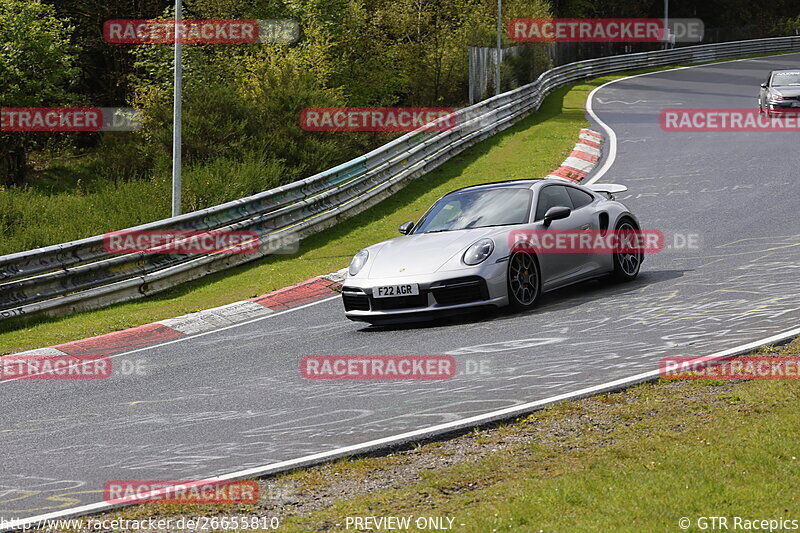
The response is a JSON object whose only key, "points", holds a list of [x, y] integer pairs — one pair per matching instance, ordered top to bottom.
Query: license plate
{"points": [[795, 104], [389, 291]]}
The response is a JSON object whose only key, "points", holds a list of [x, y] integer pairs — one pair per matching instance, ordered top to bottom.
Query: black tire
{"points": [[627, 264], [523, 281]]}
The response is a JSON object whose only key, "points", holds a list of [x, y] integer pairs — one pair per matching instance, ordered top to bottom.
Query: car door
{"points": [[584, 208], [561, 268]]}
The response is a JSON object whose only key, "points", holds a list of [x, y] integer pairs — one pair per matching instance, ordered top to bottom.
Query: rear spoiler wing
{"points": [[609, 189]]}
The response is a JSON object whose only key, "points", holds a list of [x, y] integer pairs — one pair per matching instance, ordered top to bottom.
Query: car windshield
{"points": [[782, 79], [477, 209]]}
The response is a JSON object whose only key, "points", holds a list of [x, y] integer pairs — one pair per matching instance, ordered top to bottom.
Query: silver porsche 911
{"points": [[463, 252]]}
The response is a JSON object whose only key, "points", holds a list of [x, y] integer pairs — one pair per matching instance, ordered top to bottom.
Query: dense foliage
{"points": [[37, 68]]}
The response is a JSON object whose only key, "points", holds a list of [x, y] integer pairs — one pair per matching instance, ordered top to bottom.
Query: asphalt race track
{"points": [[234, 399]]}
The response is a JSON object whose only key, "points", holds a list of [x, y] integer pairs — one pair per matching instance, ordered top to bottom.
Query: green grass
{"points": [[530, 149], [64, 203], [634, 461]]}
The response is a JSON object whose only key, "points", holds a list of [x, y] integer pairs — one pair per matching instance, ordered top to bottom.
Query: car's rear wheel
{"points": [[626, 261], [524, 281]]}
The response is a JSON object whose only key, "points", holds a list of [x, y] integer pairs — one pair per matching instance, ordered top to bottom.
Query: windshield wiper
{"points": [[436, 231]]}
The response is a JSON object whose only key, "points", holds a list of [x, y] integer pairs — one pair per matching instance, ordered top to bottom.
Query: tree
{"points": [[105, 66], [37, 67]]}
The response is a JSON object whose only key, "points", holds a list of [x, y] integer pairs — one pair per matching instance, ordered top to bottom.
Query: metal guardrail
{"points": [[81, 275]]}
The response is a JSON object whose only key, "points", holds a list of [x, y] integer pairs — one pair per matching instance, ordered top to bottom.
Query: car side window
{"points": [[769, 78], [552, 196], [579, 198], [450, 211]]}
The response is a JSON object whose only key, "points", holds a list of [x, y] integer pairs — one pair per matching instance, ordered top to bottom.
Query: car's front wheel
{"points": [[524, 281]]}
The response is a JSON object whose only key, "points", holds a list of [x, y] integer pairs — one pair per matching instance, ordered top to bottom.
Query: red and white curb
{"points": [[583, 159], [173, 328]]}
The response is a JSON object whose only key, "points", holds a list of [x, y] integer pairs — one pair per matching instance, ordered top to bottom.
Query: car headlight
{"points": [[776, 98], [478, 252], [358, 262]]}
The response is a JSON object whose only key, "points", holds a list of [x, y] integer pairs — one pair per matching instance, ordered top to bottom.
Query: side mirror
{"points": [[763, 85], [556, 213], [406, 228]]}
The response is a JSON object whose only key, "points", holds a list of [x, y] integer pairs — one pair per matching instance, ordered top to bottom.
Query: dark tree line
{"points": [[243, 101]]}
